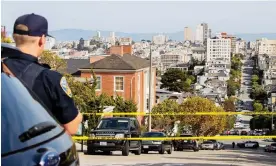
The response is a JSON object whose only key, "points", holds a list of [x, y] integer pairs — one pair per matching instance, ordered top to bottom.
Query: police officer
{"points": [[50, 87]]}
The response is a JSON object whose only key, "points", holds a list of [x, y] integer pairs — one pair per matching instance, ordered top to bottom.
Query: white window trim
{"points": [[100, 83], [115, 84]]}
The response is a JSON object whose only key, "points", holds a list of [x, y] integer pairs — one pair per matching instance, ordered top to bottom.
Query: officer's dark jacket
{"points": [[49, 86]]}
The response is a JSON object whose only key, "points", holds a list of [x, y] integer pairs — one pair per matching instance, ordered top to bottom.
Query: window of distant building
{"points": [[99, 83], [119, 83]]}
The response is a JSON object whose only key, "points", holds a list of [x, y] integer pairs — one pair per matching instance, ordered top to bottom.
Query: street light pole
{"points": [[150, 86], [272, 125]]}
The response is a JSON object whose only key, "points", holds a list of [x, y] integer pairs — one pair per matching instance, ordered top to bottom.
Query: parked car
{"points": [[116, 127], [244, 133], [30, 134], [248, 144], [180, 145], [207, 145], [161, 146], [220, 146], [270, 148]]}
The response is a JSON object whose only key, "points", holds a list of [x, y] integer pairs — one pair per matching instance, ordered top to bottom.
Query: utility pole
{"points": [[150, 86], [272, 125]]}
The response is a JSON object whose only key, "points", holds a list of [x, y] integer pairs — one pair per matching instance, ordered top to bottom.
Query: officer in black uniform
{"points": [[51, 87]]}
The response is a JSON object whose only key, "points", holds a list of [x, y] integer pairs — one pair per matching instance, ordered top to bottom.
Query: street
{"points": [[247, 70], [229, 156]]}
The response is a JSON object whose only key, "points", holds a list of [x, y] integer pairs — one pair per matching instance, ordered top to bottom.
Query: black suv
{"points": [[116, 127], [29, 134], [179, 145]]}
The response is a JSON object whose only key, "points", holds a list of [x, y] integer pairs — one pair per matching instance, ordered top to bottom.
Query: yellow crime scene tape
{"points": [[182, 113], [85, 138]]}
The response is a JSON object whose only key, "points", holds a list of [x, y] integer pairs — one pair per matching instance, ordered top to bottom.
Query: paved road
{"points": [[247, 70], [227, 157]]}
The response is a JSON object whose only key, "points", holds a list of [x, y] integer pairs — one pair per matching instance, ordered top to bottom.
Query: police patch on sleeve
{"points": [[64, 85]]}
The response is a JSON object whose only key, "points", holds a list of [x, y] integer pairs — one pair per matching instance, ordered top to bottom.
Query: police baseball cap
{"points": [[37, 25]]}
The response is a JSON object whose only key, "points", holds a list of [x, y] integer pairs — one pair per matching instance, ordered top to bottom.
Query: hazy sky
{"points": [[232, 17]]}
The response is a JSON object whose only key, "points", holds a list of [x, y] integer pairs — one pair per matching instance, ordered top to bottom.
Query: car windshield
{"points": [[20, 113], [120, 124], [153, 134], [207, 142]]}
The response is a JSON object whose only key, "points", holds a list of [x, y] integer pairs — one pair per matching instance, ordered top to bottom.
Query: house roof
{"points": [[117, 62], [74, 64]]}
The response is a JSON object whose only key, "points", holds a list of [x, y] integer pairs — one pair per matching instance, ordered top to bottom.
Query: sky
{"points": [[147, 17]]}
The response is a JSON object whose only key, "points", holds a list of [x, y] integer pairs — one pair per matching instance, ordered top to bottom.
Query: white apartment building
{"points": [[188, 34], [199, 34], [159, 39], [86, 43], [252, 44], [265, 46], [241, 47], [218, 51], [199, 53], [170, 59]]}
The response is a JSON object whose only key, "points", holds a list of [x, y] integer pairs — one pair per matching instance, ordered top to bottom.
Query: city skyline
{"points": [[241, 19]]}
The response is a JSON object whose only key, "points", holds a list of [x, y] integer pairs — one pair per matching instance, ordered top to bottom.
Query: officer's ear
{"points": [[42, 40]]}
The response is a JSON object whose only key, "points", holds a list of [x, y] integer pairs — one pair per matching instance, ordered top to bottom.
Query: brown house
{"points": [[120, 50], [126, 76]]}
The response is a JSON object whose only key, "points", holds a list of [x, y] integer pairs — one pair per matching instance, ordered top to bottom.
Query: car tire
{"points": [[175, 149], [125, 150], [162, 150], [170, 150], [90, 151], [146, 151], [107, 152], [138, 152]]}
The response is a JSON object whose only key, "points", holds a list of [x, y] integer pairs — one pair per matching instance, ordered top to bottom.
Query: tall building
{"points": [[205, 32], [210, 33], [98, 34], [188, 34], [199, 34], [159, 39], [233, 39], [241, 46], [265, 46], [218, 51]]}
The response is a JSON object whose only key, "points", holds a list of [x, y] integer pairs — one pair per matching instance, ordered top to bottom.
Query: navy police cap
{"points": [[37, 25]]}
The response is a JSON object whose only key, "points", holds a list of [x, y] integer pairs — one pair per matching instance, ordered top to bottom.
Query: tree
{"points": [[6, 40], [54, 61], [158, 73], [255, 78], [176, 80], [232, 87], [258, 93], [122, 105], [229, 105], [258, 107], [165, 122], [260, 122], [202, 125]]}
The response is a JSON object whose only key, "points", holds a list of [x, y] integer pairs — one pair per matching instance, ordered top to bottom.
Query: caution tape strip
{"points": [[182, 113], [79, 138]]}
